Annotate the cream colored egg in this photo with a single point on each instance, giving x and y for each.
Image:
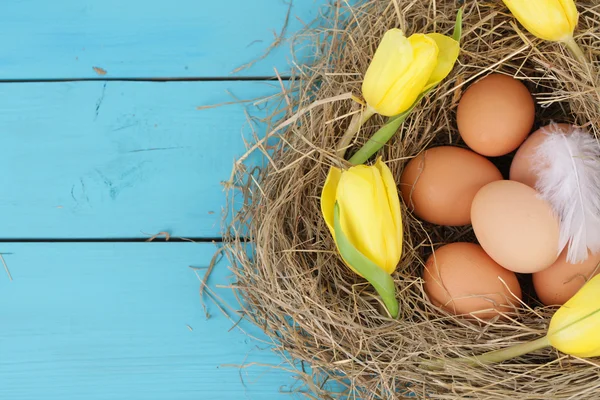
(515, 227)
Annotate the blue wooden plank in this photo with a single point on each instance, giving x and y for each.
(117, 159)
(136, 38)
(122, 321)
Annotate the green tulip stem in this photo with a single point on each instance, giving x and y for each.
(576, 51)
(508, 353)
(357, 121)
(384, 134)
(378, 140)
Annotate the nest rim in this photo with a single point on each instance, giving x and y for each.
(294, 284)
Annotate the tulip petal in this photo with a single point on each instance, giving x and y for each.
(364, 212)
(553, 20)
(395, 239)
(328, 197)
(388, 236)
(575, 327)
(408, 87)
(392, 57)
(381, 281)
(447, 56)
(571, 13)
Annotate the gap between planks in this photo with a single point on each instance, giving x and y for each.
(158, 79)
(118, 240)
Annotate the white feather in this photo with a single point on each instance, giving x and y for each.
(568, 170)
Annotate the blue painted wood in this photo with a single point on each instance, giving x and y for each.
(138, 39)
(123, 321)
(117, 159)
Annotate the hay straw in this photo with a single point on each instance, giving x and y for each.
(292, 280)
(10, 278)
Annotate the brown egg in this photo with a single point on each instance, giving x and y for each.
(440, 183)
(521, 167)
(463, 279)
(515, 227)
(557, 284)
(495, 115)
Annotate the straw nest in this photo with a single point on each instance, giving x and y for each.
(294, 283)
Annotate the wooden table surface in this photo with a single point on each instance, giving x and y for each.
(95, 156)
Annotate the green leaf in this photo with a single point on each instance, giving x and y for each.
(458, 25)
(381, 281)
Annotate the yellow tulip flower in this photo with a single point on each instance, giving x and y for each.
(403, 68)
(575, 327)
(401, 72)
(361, 208)
(553, 20)
(574, 330)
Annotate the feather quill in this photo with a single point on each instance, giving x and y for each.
(568, 170)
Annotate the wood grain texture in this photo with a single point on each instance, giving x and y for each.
(141, 39)
(118, 159)
(123, 321)
(115, 159)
